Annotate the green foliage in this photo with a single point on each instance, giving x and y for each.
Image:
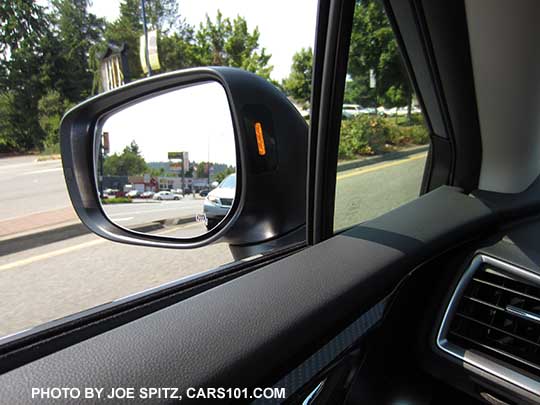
(219, 177)
(116, 200)
(225, 43)
(202, 170)
(372, 134)
(52, 54)
(49, 58)
(373, 46)
(363, 135)
(298, 84)
(51, 109)
(127, 28)
(22, 24)
(7, 122)
(128, 163)
(178, 51)
(78, 31)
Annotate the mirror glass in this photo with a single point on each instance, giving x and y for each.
(166, 165)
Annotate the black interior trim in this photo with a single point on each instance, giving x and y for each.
(332, 87)
(313, 224)
(279, 315)
(27, 346)
(446, 27)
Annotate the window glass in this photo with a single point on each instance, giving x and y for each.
(56, 54)
(383, 141)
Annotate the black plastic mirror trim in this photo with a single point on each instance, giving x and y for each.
(243, 90)
(77, 137)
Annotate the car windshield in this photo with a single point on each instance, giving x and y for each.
(229, 182)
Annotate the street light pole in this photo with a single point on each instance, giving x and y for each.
(146, 55)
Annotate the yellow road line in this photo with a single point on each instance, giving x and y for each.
(49, 255)
(59, 252)
(351, 173)
(70, 249)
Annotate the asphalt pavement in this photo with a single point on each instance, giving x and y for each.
(64, 277)
(142, 212)
(30, 187)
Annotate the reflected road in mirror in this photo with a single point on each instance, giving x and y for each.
(167, 164)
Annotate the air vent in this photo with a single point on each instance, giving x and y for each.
(495, 314)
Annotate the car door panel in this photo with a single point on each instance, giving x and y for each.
(277, 315)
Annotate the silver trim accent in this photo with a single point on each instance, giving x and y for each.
(523, 314)
(471, 358)
(314, 394)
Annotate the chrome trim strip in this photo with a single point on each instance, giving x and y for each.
(523, 314)
(314, 394)
(471, 358)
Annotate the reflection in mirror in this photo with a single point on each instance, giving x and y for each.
(166, 165)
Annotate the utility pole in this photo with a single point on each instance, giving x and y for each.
(146, 55)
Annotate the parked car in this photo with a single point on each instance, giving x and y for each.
(351, 110)
(133, 194)
(218, 202)
(165, 195)
(177, 191)
(147, 194)
(204, 192)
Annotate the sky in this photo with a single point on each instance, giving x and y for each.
(195, 119)
(286, 26)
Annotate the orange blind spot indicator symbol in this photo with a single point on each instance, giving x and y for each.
(260, 139)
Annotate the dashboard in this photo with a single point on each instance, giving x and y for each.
(472, 335)
(488, 327)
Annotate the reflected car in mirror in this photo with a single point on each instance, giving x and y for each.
(218, 202)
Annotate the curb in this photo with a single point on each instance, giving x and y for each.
(20, 242)
(380, 158)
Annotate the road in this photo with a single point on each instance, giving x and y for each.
(142, 212)
(29, 187)
(58, 279)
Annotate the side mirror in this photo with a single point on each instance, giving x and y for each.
(188, 158)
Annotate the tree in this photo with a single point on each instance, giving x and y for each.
(78, 32)
(225, 43)
(298, 84)
(51, 108)
(127, 28)
(176, 46)
(23, 28)
(219, 177)
(21, 22)
(202, 170)
(7, 122)
(23, 89)
(373, 46)
(178, 51)
(128, 163)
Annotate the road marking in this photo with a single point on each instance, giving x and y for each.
(49, 255)
(59, 252)
(123, 219)
(70, 249)
(357, 172)
(56, 169)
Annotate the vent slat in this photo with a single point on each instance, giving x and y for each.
(481, 321)
(499, 330)
(487, 304)
(497, 351)
(532, 297)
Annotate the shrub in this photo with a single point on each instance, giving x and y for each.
(116, 200)
(414, 134)
(370, 134)
(363, 135)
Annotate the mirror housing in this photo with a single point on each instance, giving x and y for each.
(270, 199)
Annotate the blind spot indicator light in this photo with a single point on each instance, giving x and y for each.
(260, 139)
